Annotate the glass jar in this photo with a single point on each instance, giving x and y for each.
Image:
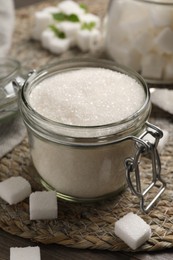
(139, 34)
(84, 163)
(9, 69)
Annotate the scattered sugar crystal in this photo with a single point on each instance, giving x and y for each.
(25, 253)
(164, 40)
(163, 98)
(14, 189)
(43, 205)
(87, 96)
(133, 230)
(152, 66)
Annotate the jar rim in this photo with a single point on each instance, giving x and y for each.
(45, 71)
(13, 65)
(156, 2)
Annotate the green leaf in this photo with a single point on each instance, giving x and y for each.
(83, 6)
(57, 32)
(88, 26)
(61, 17)
(73, 18)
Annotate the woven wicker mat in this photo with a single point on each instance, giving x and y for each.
(81, 226)
(89, 225)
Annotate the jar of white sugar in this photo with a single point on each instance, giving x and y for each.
(139, 34)
(86, 122)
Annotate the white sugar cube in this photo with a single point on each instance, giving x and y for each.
(163, 98)
(89, 40)
(70, 7)
(25, 253)
(9, 89)
(133, 230)
(89, 18)
(70, 29)
(152, 65)
(42, 20)
(164, 41)
(168, 68)
(43, 205)
(50, 10)
(46, 38)
(95, 42)
(143, 42)
(83, 39)
(58, 45)
(161, 16)
(14, 189)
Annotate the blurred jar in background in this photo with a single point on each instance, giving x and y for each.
(139, 34)
(7, 19)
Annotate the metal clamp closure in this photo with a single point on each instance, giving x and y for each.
(145, 147)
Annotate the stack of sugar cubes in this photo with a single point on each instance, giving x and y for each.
(66, 25)
(42, 204)
(140, 35)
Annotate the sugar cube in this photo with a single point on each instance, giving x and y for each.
(95, 42)
(43, 205)
(70, 7)
(83, 39)
(70, 29)
(133, 230)
(168, 68)
(58, 46)
(46, 37)
(161, 16)
(42, 20)
(89, 18)
(164, 41)
(25, 253)
(14, 189)
(152, 65)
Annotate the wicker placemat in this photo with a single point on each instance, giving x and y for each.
(81, 226)
(88, 225)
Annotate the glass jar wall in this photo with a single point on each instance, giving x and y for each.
(81, 163)
(139, 34)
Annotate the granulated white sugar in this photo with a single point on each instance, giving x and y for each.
(87, 97)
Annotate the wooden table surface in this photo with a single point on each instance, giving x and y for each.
(54, 252)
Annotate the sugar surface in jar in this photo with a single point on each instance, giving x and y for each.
(87, 97)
